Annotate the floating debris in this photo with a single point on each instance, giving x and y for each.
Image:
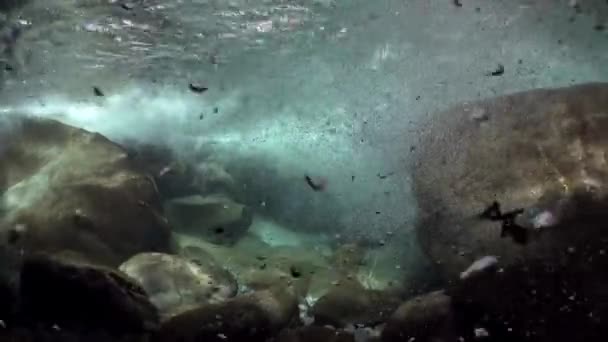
(165, 170)
(127, 6)
(481, 333)
(384, 176)
(316, 186)
(98, 92)
(518, 233)
(480, 265)
(197, 88)
(458, 3)
(295, 272)
(499, 71)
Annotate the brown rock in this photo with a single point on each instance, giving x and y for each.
(542, 151)
(315, 333)
(174, 283)
(424, 318)
(78, 296)
(252, 317)
(177, 177)
(349, 303)
(216, 219)
(69, 189)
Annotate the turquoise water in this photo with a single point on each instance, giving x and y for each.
(332, 90)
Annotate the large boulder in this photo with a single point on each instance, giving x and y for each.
(251, 317)
(215, 218)
(178, 175)
(428, 317)
(64, 188)
(513, 206)
(72, 294)
(541, 151)
(10, 267)
(176, 284)
(349, 303)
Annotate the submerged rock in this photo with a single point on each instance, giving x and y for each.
(538, 157)
(348, 303)
(315, 333)
(79, 296)
(424, 318)
(64, 188)
(175, 284)
(541, 151)
(10, 267)
(177, 177)
(216, 219)
(251, 317)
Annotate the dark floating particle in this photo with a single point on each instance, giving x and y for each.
(98, 91)
(599, 27)
(352, 178)
(499, 71)
(127, 5)
(197, 88)
(219, 230)
(458, 3)
(385, 176)
(295, 272)
(316, 186)
(201, 116)
(508, 226)
(417, 97)
(216, 110)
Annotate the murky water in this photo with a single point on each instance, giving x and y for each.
(299, 117)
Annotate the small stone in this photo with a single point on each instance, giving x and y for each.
(479, 115)
(481, 333)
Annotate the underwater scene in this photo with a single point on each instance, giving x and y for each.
(304, 170)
